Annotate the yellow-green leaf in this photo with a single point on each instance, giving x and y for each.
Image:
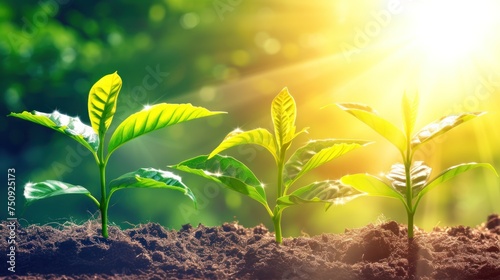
(259, 136)
(153, 118)
(331, 192)
(371, 185)
(102, 102)
(284, 112)
(441, 126)
(314, 154)
(381, 126)
(451, 173)
(227, 171)
(65, 124)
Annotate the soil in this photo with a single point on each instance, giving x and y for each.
(234, 252)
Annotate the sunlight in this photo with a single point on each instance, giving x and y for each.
(448, 30)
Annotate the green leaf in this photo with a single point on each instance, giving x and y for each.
(441, 126)
(419, 174)
(451, 173)
(150, 178)
(304, 130)
(284, 112)
(153, 118)
(371, 185)
(330, 192)
(314, 154)
(410, 111)
(259, 136)
(102, 102)
(227, 171)
(50, 188)
(377, 123)
(67, 125)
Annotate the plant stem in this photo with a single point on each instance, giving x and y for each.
(277, 226)
(280, 181)
(281, 165)
(410, 224)
(409, 189)
(104, 199)
(409, 195)
(281, 192)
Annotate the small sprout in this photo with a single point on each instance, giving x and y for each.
(408, 181)
(236, 176)
(102, 106)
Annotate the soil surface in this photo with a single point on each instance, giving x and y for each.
(234, 252)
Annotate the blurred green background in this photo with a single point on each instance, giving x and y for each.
(235, 56)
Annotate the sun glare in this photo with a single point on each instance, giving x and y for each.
(448, 30)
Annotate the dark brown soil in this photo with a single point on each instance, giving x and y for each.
(233, 252)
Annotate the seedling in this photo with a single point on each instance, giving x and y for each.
(409, 181)
(102, 104)
(234, 175)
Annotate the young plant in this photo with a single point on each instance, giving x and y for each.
(236, 176)
(409, 181)
(102, 104)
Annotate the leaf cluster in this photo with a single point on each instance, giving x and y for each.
(236, 176)
(407, 181)
(102, 103)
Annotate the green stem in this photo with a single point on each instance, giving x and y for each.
(410, 211)
(410, 224)
(277, 226)
(280, 180)
(281, 166)
(104, 199)
(281, 192)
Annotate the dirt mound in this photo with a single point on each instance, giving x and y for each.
(232, 251)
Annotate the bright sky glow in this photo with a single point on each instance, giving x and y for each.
(447, 29)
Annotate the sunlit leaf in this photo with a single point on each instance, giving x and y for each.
(451, 173)
(371, 185)
(227, 171)
(304, 130)
(50, 188)
(284, 112)
(67, 125)
(330, 192)
(410, 111)
(441, 126)
(102, 102)
(419, 174)
(150, 178)
(314, 154)
(259, 136)
(372, 119)
(153, 118)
